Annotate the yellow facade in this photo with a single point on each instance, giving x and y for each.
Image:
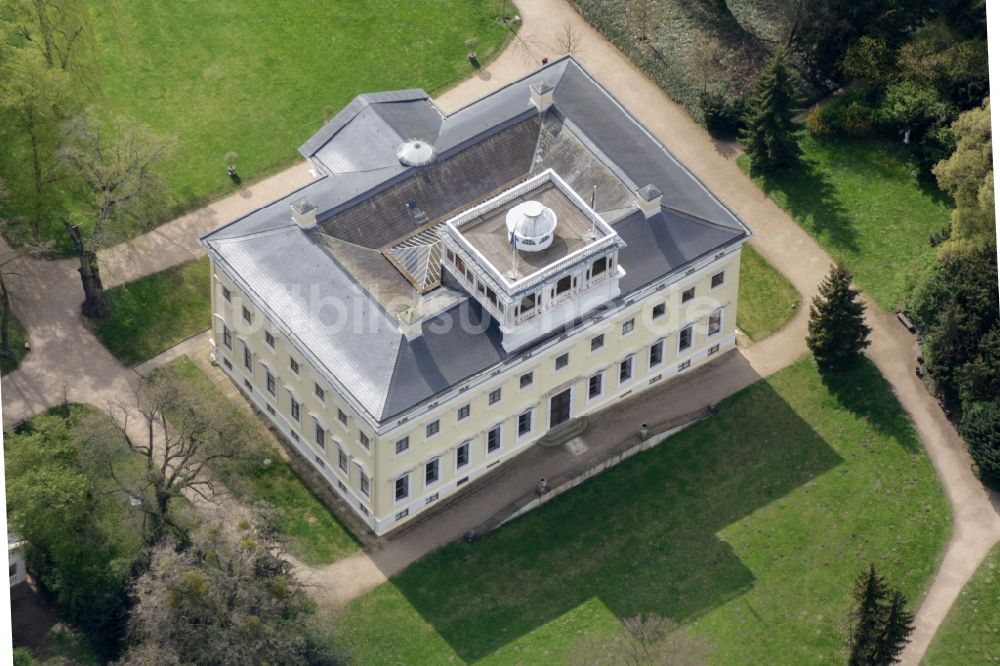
(346, 462)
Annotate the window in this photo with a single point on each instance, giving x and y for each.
(365, 442)
(684, 366)
(715, 322)
(459, 264)
(628, 326)
(319, 461)
(295, 435)
(269, 339)
(226, 294)
(433, 428)
(659, 310)
(599, 267)
(247, 358)
(247, 317)
(295, 409)
(402, 445)
(524, 423)
(527, 304)
(684, 341)
(248, 385)
(365, 485)
(294, 365)
(320, 434)
(656, 353)
(687, 295)
(493, 440)
(494, 396)
(595, 386)
(526, 379)
(718, 279)
(625, 370)
(596, 342)
(320, 393)
(341, 416)
(564, 284)
(227, 337)
(271, 384)
(402, 487)
(562, 361)
(341, 459)
(463, 412)
(462, 456)
(432, 472)
(225, 362)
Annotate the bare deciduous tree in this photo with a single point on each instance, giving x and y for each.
(58, 27)
(116, 172)
(568, 38)
(181, 435)
(643, 640)
(643, 11)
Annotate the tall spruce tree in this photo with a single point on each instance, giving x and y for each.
(837, 329)
(768, 138)
(880, 623)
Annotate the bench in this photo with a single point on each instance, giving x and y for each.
(905, 321)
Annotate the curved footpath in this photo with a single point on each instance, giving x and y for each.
(68, 363)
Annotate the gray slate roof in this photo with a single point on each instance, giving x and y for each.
(362, 200)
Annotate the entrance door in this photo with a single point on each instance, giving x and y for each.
(559, 408)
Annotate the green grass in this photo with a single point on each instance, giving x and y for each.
(258, 77)
(749, 528)
(18, 336)
(320, 542)
(970, 634)
(860, 200)
(767, 299)
(156, 312)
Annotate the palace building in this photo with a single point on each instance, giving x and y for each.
(451, 288)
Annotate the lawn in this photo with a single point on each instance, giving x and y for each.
(748, 528)
(308, 529)
(767, 300)
(258, 77)
(156, 312)
(860, 200)
(18, 336)
(970, 634)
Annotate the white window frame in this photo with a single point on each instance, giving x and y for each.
(498, 391)
(467, 445)
(630, 359)
(531, 423)
(680, 338)
(342, 456)
(396, 445)
(599, 394)
(437, 429)
(498, 427)
(708, 328)
(661, 343)
(628, 324)
(396, 499)
(721, 284)
(437, 462)
(468, 411)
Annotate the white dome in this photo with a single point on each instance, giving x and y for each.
(532, 225)
(415, 152)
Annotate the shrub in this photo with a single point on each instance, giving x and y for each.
(723, 115)
(981, 430)
(818, 123)
(858, 119)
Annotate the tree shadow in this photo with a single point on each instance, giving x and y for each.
(642, 537)
(854, 388)
(810, 198)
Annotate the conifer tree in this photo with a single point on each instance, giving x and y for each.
(880, 623)
(896, 630)
(767, 138)
(837, 329)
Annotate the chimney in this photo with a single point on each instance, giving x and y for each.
(541, 95)
(304, 213)
(649, 199)
(409, 323)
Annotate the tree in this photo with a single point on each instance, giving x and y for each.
(35, 97)
(180, 436)
(59, 29)
(868, 63)
(228, 599)
(968, 177)
(768, 137)
(642, 640)
(116, 173)
(981, 430)
(880, 623)
(78, 529)
(911, 106)
(837, 330)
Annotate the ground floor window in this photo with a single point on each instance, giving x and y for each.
(462, 456)
(227, 337)
(402, 487)
(715, 322)
(320, 434)
(625, 370)
(432, 472)
(595, 386)
(684, 340)
(656, 354)
(493, 440)
(341, 459)
(295, 408)
(247, 358)
(271, 384)
(365, 485)
(524, 423)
